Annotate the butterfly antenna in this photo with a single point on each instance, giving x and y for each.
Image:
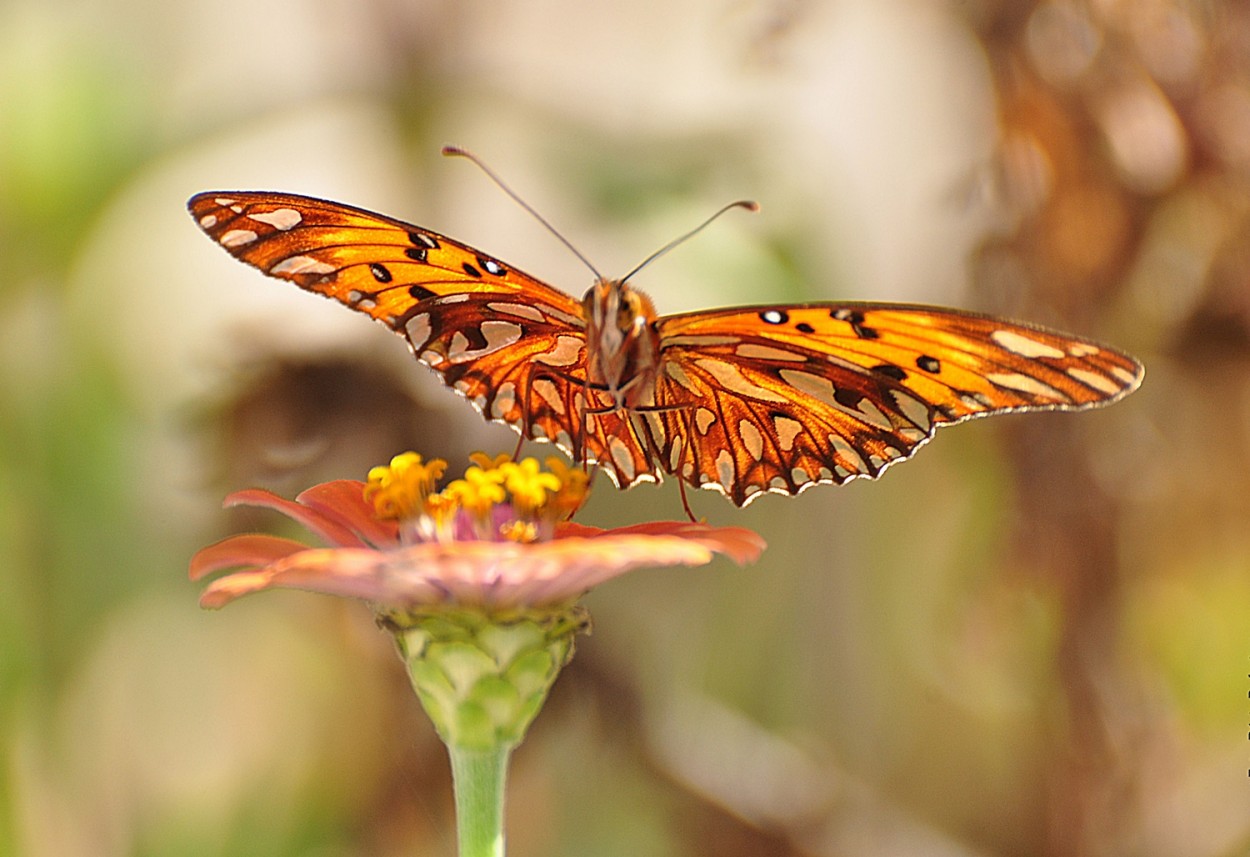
(456, 151)
(748, 204)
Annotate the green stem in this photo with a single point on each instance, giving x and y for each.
(478, 778)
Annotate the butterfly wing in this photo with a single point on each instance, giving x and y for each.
(775, 399)
(512, 345)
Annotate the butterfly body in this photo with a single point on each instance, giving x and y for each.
(744, 400)
(621, 324)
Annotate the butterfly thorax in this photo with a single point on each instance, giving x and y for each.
(622, 344)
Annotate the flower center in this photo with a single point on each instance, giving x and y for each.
(496, 499)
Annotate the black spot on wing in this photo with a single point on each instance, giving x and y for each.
(848, 397)
(889, 370)
(929, 364)
(380, 272)
(492, 267)
(420, 292)
(420, 239)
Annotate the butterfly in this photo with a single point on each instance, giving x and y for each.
(744, 400)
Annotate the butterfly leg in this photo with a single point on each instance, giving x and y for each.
(658, 442)
(685, 503)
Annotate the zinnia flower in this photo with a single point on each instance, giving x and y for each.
(495, 540)
(478, 582)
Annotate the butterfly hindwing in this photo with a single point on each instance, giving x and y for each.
(778, 398)
(524, 364)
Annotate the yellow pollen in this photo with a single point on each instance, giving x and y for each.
(528, 485)
(485, 462)
(519, 531)
(401, 489)
(477, 492)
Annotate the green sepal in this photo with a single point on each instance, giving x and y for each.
(482, 678)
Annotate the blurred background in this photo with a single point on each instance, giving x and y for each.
(1034, 639)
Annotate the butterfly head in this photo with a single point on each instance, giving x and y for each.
(623, 349)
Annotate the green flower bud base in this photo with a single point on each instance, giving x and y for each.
(482, 679)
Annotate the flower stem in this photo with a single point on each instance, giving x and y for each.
(478, 777)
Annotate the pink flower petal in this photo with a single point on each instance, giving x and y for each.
(343, 500)
(331, 528)
(738, 543)
(251, 549)
(487, 574)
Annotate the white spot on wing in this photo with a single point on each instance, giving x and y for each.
(675, 371)
(751, 438)
(753, 350)
(820, 389)
(208, 221)
(1099, 382)
(787, 430)
(546, 390)
(418, 330)
(574, 320)
(237, 237)
(225, 202)
(301, 265)
(622, 457)
(913, 409)
(725, 468)
(505, 400)
(674, 453)
(498, 334)
(1124, 375)
(1026, 384)
(1018, 343)
(655, 424)
(565, 353)
(729, 377)
(280, 218)
(850, 458)
(874, 416)
(703, 419)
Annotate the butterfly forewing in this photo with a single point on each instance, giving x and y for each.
(775, 399)
(513, 346)
(373, 264)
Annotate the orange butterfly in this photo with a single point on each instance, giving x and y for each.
(745, 401)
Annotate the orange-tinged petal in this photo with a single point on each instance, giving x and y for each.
(738, 543)
(251, 549)
(495, 575)
(344, 500)
(331, 528)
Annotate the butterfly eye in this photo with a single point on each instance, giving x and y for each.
(630, 311)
